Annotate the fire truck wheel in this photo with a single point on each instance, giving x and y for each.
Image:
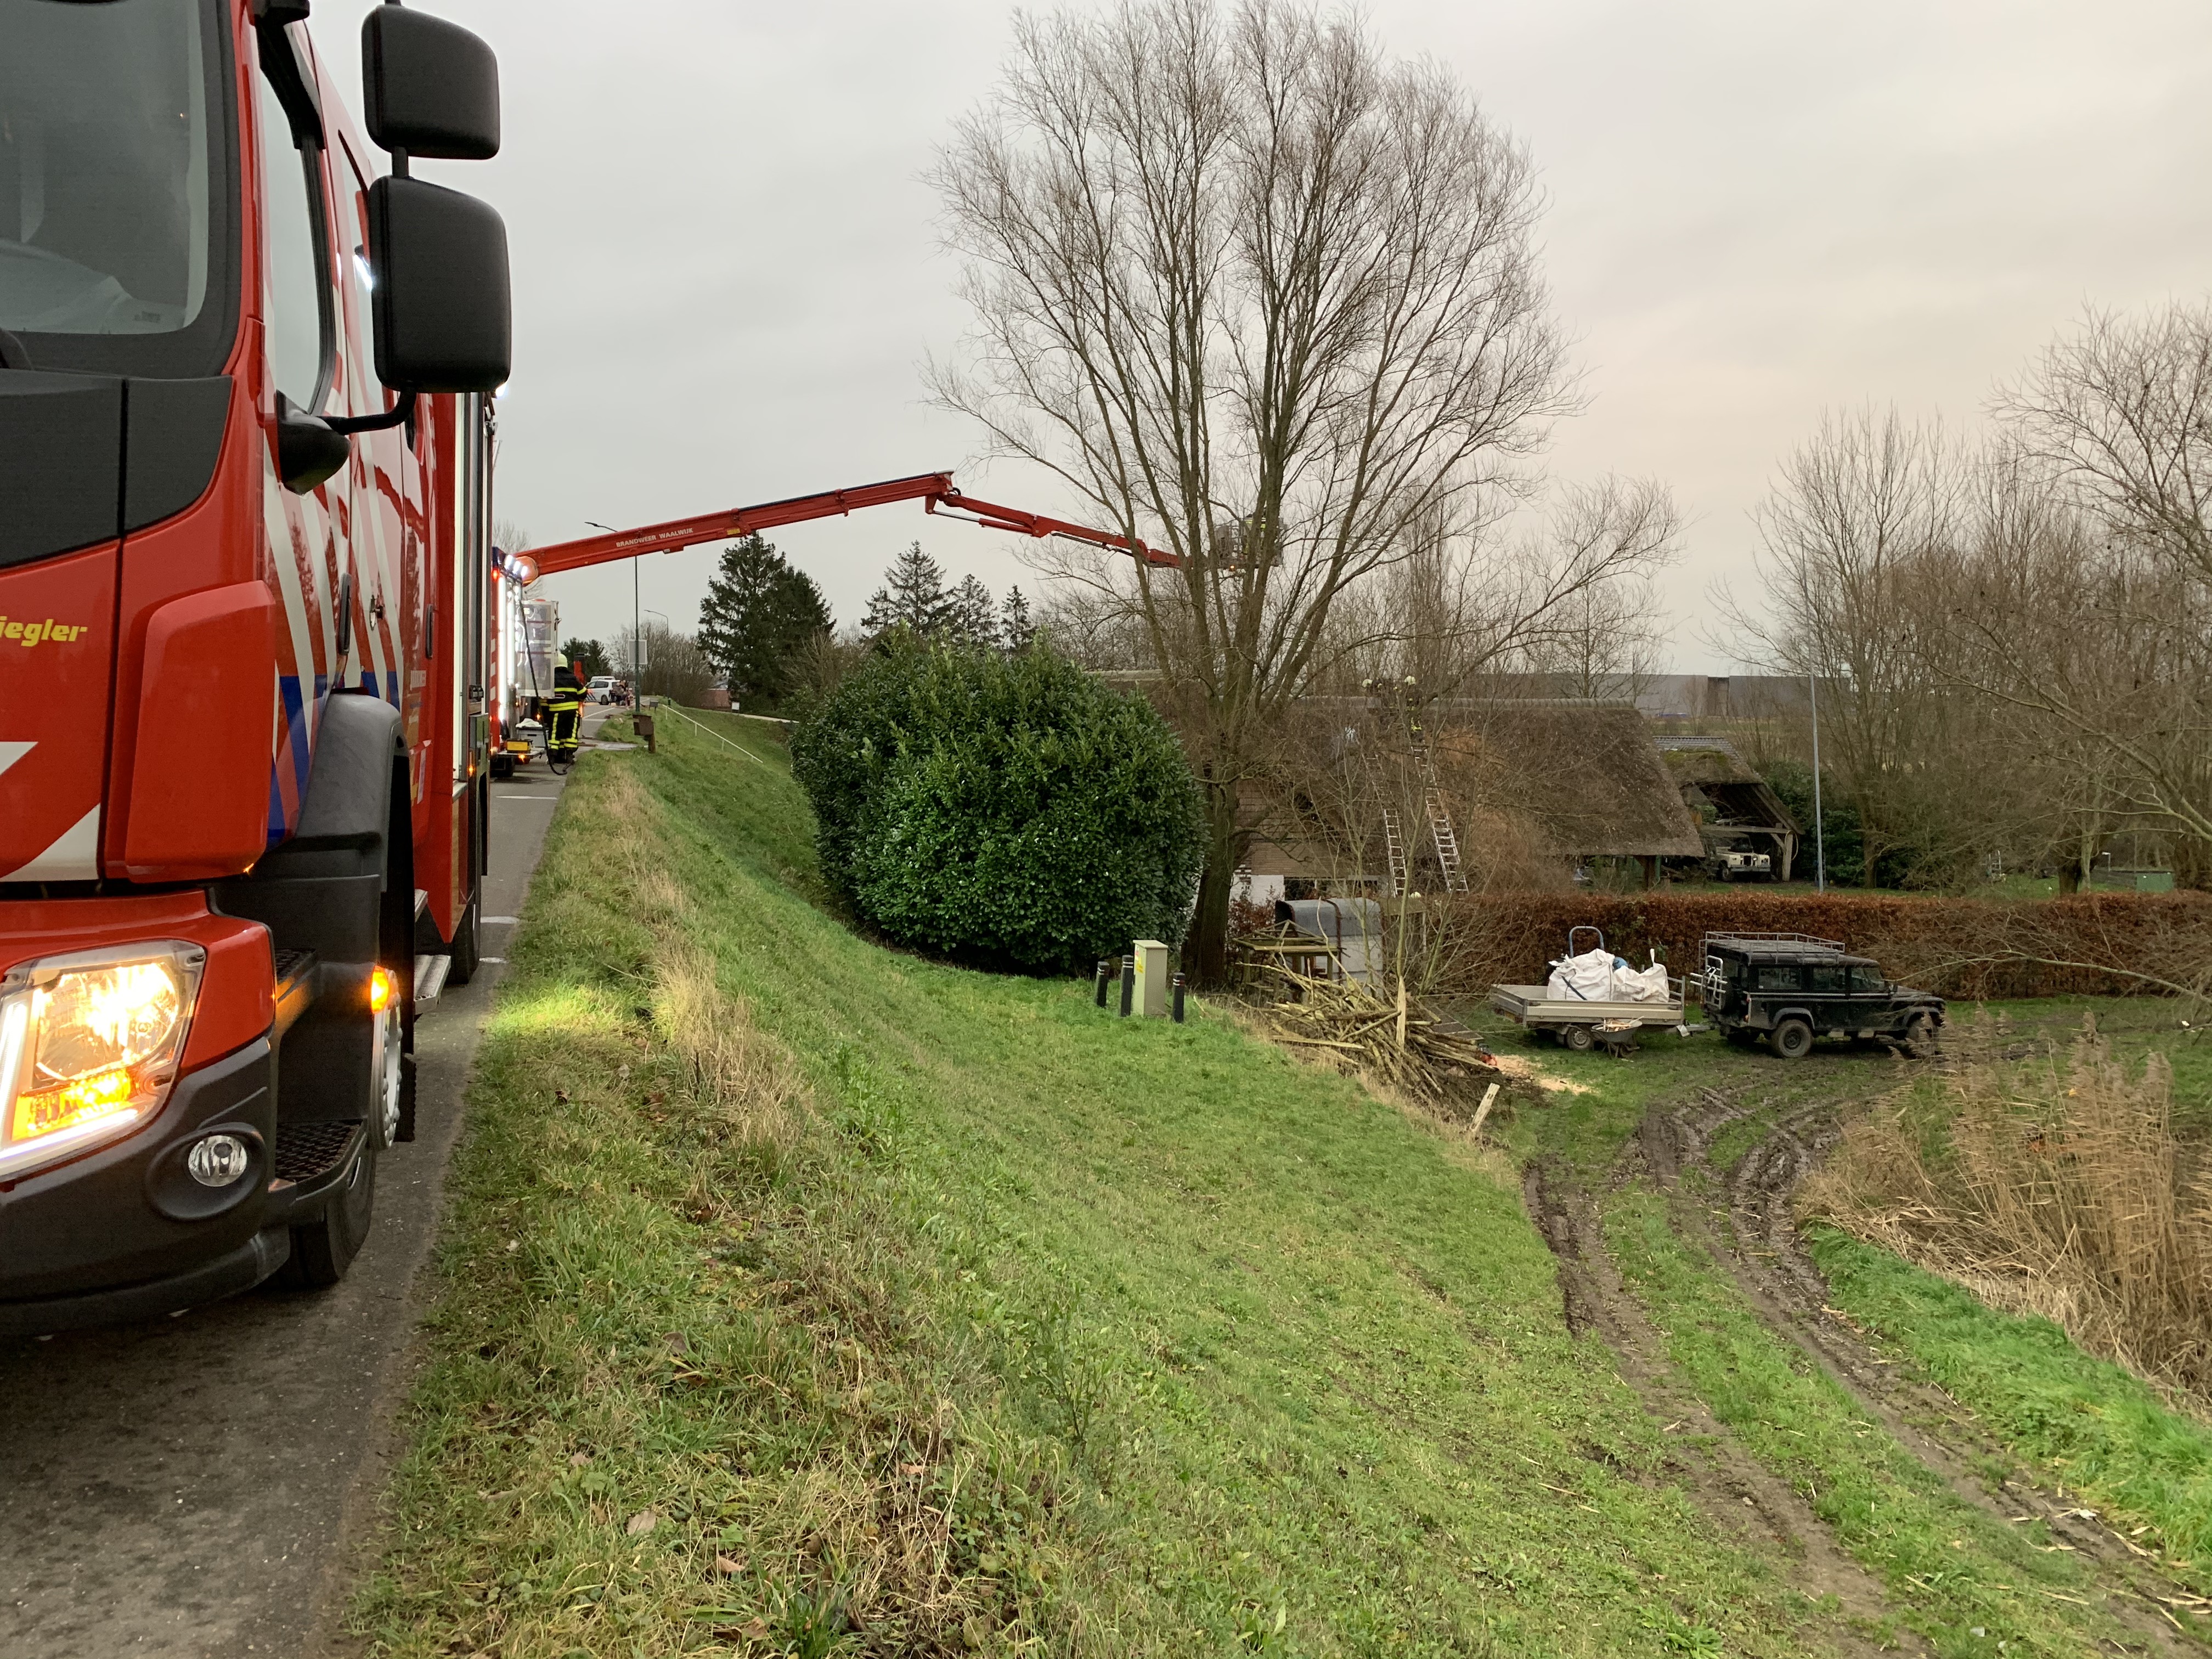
(322, 1249)
(388, 1095)
(1792, 1039)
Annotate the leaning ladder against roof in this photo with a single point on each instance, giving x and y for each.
(1394, 849)
(1447, 840)
(1440, 824)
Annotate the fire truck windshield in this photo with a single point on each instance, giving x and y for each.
(115, 175)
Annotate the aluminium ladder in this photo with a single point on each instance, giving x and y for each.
(1447, 840)
(1394, 848)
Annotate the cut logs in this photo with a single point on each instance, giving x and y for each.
(1397, 1038)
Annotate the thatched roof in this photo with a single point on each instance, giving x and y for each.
(1704, 760)
(1553, 778)
(1709, 769)
(1585, 773)
(1278, 849)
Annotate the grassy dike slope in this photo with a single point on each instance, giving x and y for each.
(802, 1296)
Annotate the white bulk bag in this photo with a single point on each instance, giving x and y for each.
(1585, 978)
(1641, 984)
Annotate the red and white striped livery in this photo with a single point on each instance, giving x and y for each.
(244, 488)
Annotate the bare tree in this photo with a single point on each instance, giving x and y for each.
(1265, 299)
(1858, 515)
(1095, 623)
(2016, 647)
(1602, 635)
(822, 662)
(2114, 423)
(2098, 647)
(1572, 597)
(2120, 414)
(673, 665)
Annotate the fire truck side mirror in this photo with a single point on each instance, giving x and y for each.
(431, 88)
(443, 311)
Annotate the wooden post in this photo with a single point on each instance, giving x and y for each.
(1489, 1099)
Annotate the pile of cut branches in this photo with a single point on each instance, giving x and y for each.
(1281, 947)
(1397, 1039)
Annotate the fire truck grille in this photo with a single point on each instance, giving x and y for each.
(304, 1150)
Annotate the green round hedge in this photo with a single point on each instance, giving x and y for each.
(1006, 811)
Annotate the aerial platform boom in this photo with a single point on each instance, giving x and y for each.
(934, 490)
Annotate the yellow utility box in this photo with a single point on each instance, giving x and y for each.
(1151, 997)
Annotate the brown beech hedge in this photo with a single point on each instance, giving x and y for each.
(2091, 944)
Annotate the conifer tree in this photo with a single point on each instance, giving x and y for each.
(913, 596)
(759, 611)
(1017, 626)
(590, 653)
(974, 618)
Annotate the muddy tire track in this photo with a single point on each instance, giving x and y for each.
(1726, 1481)
(1745, 1216)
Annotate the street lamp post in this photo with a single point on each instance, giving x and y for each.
(1820, 830)
(637, 633)
(665, 622)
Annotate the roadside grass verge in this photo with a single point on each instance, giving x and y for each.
(799, 1297)
(677, 1400)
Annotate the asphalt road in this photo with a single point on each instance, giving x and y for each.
(205, 1485)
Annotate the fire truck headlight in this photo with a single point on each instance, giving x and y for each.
(89, 1046)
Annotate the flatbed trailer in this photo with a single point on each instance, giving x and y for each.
(1581, 1025)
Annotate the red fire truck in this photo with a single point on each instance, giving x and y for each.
(244, 497)
(256, 649)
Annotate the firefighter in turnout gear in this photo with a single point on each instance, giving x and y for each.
(564, 720)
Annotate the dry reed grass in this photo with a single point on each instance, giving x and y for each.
(2056, 1187)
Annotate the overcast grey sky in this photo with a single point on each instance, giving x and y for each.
(726, 271)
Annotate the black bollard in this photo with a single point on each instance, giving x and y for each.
(1128, 983)
(1105, 972)
(1178, 999)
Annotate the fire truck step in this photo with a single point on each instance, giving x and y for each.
(295, 987)
(430, 978)
(304, 1150)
